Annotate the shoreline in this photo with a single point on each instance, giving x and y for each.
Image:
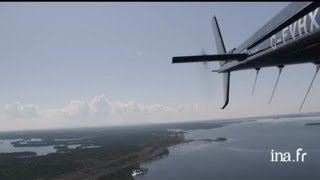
(183, 141)
(141, 146)
(129, 162)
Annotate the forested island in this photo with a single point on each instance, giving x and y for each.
(119, 151)
(313, 124)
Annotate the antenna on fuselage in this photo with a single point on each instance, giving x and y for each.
(275, 86)
(314, 76)
(255, 81)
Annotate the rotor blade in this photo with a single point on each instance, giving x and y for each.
(314, 76)
(217, 57)
(275, 86)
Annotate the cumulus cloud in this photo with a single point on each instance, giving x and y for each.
(158, 108)
(76, 109)
(127, 107)
(138, 107)
(18, 110)
(188, 108)
(98, 111)
(99, 105)
(113, 112)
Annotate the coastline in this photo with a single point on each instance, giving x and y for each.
(120, 153)
(129, 162)
(165, 151)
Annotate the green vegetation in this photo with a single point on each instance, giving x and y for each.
(4, 156)
(313, 124)
(121, 150)
(220, 139)
(115, 145)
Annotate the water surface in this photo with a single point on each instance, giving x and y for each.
(246, 153)
(7, 147)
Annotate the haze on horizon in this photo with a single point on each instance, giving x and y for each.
(101, 64)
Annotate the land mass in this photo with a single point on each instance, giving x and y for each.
(313, 124)
(120, 150)
(219, 139)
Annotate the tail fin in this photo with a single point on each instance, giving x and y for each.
(221, 50)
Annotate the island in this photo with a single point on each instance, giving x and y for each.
(98, 153)
(219, 139)
(313, 124)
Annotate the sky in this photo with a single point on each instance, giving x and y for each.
(104, 64)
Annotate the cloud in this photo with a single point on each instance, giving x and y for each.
(138, 107)
(99, 105)
(188, 108)
(19, 110)
(76, 109)
(127, 107)
(80, 109)
(102, 109)
(96, 112)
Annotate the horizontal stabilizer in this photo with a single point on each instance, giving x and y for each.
(205, 58)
